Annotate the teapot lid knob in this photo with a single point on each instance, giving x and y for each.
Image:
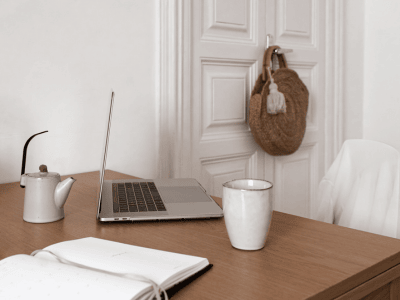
(43, 168)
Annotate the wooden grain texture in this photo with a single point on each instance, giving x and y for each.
(302, 259)
(377, 287)
(379, 294)
(395, 289)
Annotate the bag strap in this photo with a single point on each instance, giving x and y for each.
(268, 58)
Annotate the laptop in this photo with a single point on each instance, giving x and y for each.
(151, 199)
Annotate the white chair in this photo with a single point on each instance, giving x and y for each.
(361, 188)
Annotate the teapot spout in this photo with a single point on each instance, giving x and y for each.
(62, 191)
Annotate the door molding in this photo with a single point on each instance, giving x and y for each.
(173, 107)
(171, 66)
(333, 80)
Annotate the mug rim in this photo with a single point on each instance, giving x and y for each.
(228, 187)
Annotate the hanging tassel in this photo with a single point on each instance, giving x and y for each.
(276, 100)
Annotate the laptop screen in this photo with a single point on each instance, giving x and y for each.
(104, 156)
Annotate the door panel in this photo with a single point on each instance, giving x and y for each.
(216, 171)
(295, 181)
(224, 81)
(225, 58)
(300, 25)
(229, 21)
(296, 22)
(227, 43)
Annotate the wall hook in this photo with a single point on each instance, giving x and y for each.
(269, 42)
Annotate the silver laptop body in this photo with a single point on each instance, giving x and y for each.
(151, 199)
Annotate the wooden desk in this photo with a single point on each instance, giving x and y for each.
(302, 259)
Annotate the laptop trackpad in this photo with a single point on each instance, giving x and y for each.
(182, 194)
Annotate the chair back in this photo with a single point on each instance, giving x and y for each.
(361, 188)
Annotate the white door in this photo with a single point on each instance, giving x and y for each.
(225, 42)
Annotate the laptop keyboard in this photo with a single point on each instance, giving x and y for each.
(136, 197)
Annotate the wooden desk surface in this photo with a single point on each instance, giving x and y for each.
(302, 259)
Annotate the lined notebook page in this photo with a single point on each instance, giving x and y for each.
(27, 277)
(164, 268)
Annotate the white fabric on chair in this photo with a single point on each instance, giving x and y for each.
(361, 188)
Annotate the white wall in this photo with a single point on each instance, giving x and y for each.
(59, 60)
(382, 72)
(372, 70)
(353, 68)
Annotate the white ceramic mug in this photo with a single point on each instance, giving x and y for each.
(247, 206)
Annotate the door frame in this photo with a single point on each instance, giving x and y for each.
(173, 73)
(172, 81)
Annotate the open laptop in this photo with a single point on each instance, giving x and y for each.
(151, 199)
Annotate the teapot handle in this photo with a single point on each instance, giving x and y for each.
(25, 149)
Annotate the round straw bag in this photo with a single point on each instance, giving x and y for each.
(280, 133)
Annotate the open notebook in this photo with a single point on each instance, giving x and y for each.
(43, 276)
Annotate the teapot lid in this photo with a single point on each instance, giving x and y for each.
(43, 173)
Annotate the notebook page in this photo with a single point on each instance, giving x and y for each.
(27, 277)
(156, 265)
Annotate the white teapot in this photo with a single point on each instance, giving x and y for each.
(45, 193)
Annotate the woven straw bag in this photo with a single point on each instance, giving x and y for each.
(281, 133)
